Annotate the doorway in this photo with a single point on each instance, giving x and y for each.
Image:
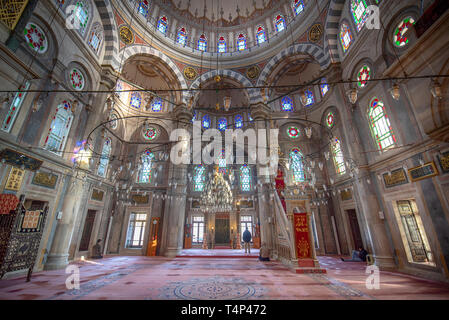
(355, 229)
(222, 232)
(87, 232)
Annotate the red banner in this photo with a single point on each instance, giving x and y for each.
(303, 244)
(8, 203)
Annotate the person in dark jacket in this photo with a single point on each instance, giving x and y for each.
(247, 240)
(358, 256)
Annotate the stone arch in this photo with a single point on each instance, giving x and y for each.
(145, 50)
(252, 93)
(315, 51)
(332, 29)
(110, 34)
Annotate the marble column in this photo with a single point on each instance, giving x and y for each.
(58, 257)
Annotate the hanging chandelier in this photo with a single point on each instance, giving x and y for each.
(217, 195)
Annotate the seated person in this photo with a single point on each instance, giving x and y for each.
(358, 256)
(96, 250)
(264, 253)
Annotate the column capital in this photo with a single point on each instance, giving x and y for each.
(260, 111)
(183, 115)
(108, 77)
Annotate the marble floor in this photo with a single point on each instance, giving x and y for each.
(223, 277)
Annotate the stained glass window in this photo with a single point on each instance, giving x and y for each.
(287, 104)
(222, 124)
(245, 178)
(280, 23)
(297, 166)
(104, 159)
(324, 87)
(145, 171)
(381, 128)
(136, 100)
(363, 76)
(77, 79)
(222, 163)
(206, 122)
(250, 117)
(14, 108)
(182, 37)
(35, 38)
(359, 10)
(309, 98)
(144, 7)
(339, 160)
(241, 42)
(95, 38)
(330, 120)
(113, 124)
(298, 6)
(222, 45)
(202, 43)
(238, 121)
(162, 25)
(345, 36)
(59, 128)
(195, 116)
(293, 132)
(150, 133)
(399, 37)
(261, 36)
(199, 177)
(156, 105)
(82, 15)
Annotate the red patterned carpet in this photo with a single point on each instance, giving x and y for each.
(142, 278)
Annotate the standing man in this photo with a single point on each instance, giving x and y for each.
(247, 240)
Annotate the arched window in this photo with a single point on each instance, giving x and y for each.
(345, 36)
(59, 128)
(104, 159)
(337, 155)
(380, 125)
(241, 42)
(222, 124)
(245, 178)
(261, 36)
(199, 177)
(399, 38)
(136, 100)
(202, 43)
(221, 45)
(297, 166)
(145, 171)
(162, 25)
(309, 98)
(182, 37)
(14, 108)
(287, 104)
(280, 23)
(238, 121)
(206, 122)
(96, 37)
(298, 6)
(359, 10)
(156, 105)
(324, 87)
(144, 7)
(363, 76)
(81, 15)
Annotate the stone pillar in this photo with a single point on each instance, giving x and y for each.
(176, 210)
(59, 252)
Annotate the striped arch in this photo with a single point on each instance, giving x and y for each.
(145, 50)
(252, 93)
(111, 39)
(315, 51)
(332, 29)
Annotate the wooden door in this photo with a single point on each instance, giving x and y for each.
(87, 232)
(154, 237)
(355, 229)
(222, 232)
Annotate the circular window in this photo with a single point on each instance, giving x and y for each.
(293, 132)
(77, 80)
(35, 38)
(363, 76)
(330, 120)
(113, 124)
(399, 37)
(150, 133)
